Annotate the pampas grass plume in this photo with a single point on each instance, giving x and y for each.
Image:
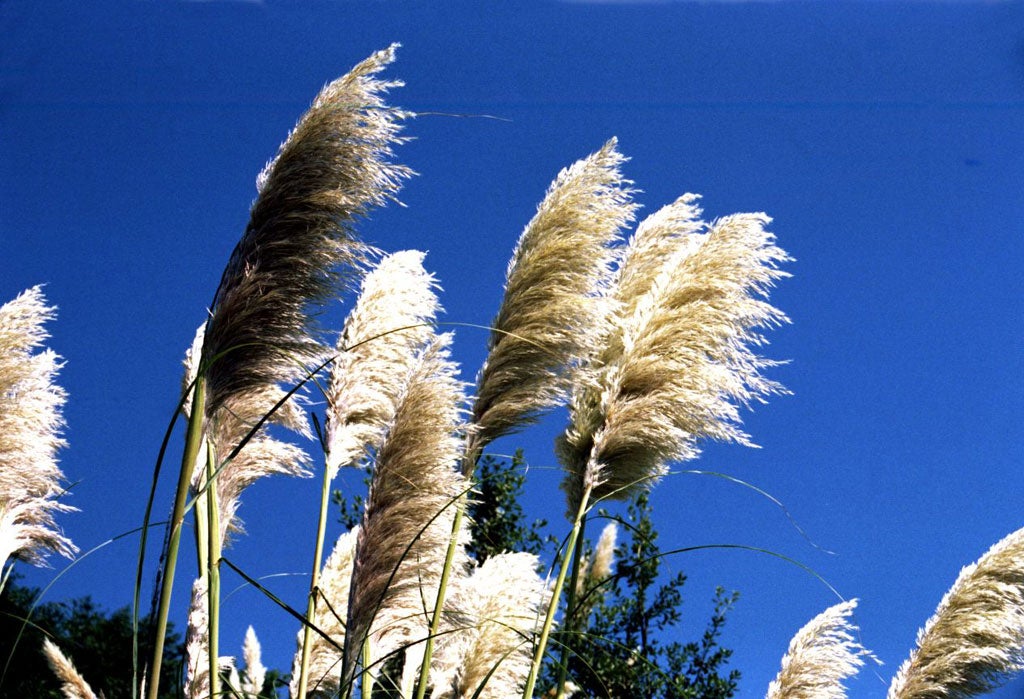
(409, 513)
(503, 602)
(255, 672)
(30, 434)
(299, 244)
(73, 685)
(382, 336)
(975, 640)
(679, 360)
(821, 655)
(552, 308)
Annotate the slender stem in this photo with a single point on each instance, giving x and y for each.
(556, 593)
(366, 690)
(442, 589)
(570, 622)
(193, 440)
(314, 582)
(213, 575)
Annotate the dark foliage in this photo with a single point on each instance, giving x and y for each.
(622, 650)
(99, 643)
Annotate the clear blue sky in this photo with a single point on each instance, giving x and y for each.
(885, 139)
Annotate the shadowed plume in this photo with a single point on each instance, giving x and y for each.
(974, 642)
(299, 245)
(409, 513)
(821, 655)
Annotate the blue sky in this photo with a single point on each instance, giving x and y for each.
(883, 138)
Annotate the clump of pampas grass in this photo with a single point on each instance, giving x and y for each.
(821, 655)
(298, 250)
(975, 640)
(31, 421)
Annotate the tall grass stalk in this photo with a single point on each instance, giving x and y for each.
(193, 443)
(314, 584)
(213, 574)
(556, 592)
(571, 622)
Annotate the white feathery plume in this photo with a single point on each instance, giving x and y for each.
(197, 643)
(325, 657)
(30, 434)
(255, 671)
(503, 602)
(604, 555)
(679, 360)
(552, 310)
(197, 646)
(387, 327)
(73, 685)
(821, 655)
(974, 642)
(410, 511)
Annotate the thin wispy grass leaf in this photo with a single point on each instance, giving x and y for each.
(680, 358)
(31, 422)
(325, 658)
(383, 334)
(549, 317)
(974, 642)
(409, 513)
(503, 602)
(300, 246)
(73, 685)
(821, 655)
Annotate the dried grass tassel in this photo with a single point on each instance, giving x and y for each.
(974, 642)
(821, 655)
(30, 434)
(73, 685)
(383, 334)
(410, 509)
(300, 244)
(503, 602)
(552, 308)
(685, 315)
